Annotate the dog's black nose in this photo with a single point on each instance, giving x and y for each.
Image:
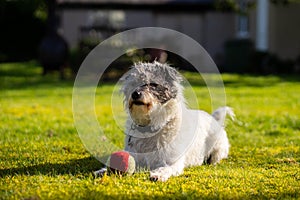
(136, 95)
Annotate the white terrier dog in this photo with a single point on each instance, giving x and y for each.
(162, 134)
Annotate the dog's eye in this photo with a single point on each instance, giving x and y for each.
(153, 84)
(157, 87)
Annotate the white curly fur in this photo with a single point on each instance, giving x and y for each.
(176, 137)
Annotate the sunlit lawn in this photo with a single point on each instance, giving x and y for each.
(42, 156)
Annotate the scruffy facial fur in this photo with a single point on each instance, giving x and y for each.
(148, 89)
(162, 134)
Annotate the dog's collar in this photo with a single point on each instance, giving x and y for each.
(144, 129)
(147, 129)
(141, 132)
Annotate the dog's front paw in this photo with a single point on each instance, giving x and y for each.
(100, 173)
(161, 174)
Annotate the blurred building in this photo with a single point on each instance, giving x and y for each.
(199, 19)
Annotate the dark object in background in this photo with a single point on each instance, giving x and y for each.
(238, 54)
(53, 54)
(269, 63)
(297, 65)
(53, 50)
(20, 30)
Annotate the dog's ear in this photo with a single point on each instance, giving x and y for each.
(131, 74)
(128, 80)
(125, 76)
(173, 75)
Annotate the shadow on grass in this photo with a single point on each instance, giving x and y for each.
(258, 80)
(239, 80)
(30, 83)
(28, 75)
(73, 167)
(92, 194)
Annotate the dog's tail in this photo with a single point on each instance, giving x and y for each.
(220, 114)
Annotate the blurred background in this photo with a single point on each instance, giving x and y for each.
(242, 36)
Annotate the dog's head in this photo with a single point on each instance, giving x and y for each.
(151, 91)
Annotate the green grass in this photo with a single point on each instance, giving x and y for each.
(42, 157)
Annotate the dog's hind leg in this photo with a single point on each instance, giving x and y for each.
(219, 151)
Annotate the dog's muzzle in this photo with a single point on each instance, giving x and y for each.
(139, 97)
(140, 104)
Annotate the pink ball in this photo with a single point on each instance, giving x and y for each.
(121, 162)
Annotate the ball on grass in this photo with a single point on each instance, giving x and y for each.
(121, 162)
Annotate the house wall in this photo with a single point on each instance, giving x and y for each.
(210, 29)
(252, 24)
(189, 24)
(139, 18)
(284, 30)
(71, 20)
(219, 28)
